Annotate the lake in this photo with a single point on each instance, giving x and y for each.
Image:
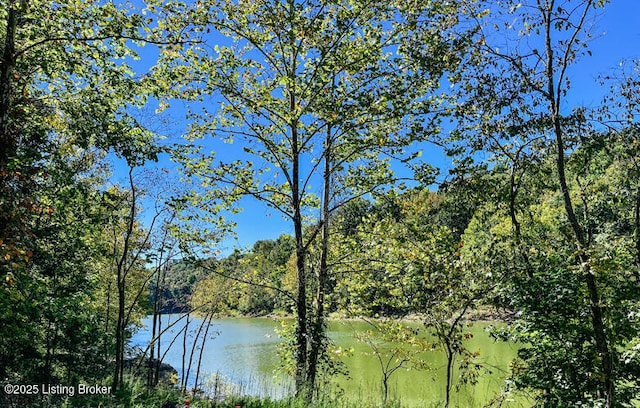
(242, 353)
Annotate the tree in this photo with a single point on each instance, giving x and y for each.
(395, 346)
(316, 92)
(557, 356)
(255, 278)
(59, 61)
(133, 248)
(50, 323)
(519, 96)
(165, 249)
(408, 263)
(618, 114)
(66, 88)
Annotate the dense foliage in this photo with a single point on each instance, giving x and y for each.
(67, 100)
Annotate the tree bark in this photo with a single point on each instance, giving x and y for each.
(318, 330)
(450, 360)
(301, 296)
(7, 139)
(581, 241)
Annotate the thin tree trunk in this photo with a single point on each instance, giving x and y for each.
(158, 340)
(517, 233)
(121, 272)
(204, 339)
(183, 382)
(450, 360)
(119, 360)
(597, 315)
(153, 366)
(193, 349)
(597, 318)
(107, 317)
(582, 242)
(385, 387)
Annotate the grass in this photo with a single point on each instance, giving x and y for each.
(253, 402)
(135, 394)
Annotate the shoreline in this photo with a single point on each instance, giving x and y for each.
(480, 315)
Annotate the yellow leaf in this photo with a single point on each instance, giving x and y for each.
(10, 279)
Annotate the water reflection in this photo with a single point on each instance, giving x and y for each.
(243, 353)
(240, 351)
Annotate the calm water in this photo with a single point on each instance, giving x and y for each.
(242, 351)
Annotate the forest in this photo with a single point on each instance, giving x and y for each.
(419, 160)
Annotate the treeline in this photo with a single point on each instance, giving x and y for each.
(255, 282)
(173, 292)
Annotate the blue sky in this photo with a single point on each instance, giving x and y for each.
(616, 38)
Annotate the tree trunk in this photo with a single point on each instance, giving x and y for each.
(582, 242)
(183, 379)
(318, 330)
(204, 339)
(636, 233)
(597, 316)
(7, 139)
(121, 269)
(118, 373)
(194, 345)
(301, 334)
(515, 224)
(301, 298)
(450, 358)
(154, 358)
(385, 387)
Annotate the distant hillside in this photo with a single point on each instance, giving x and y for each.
(180, 279)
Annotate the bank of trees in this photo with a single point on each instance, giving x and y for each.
(256, 283)
(323, 106)
(525, 118)
(72, 246)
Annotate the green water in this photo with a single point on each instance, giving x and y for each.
(243, 352)
(424, 387)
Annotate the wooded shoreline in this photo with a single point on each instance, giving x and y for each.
(436, 161)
